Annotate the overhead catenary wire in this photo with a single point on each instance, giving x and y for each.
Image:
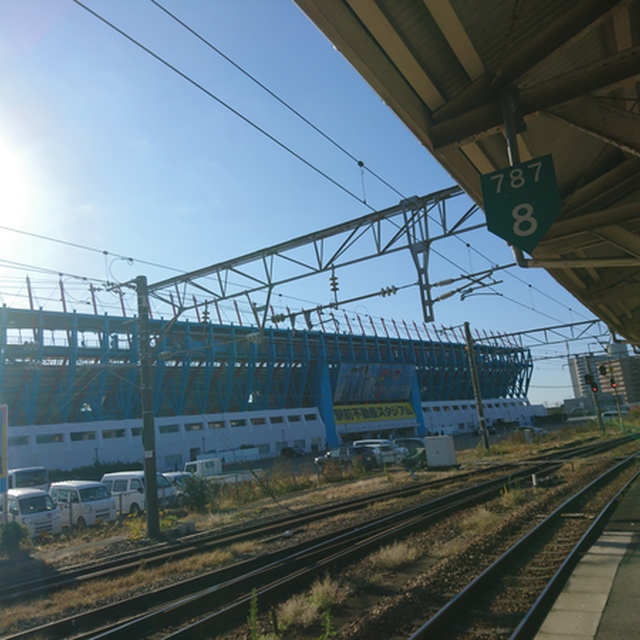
(362, 165)
(224, 104)
(350, 155)
(260, 129)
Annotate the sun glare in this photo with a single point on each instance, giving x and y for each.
(14, 194)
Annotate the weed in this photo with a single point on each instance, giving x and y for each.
(327, 625)
(252, 622)
(481, 519)
(328, 592)
(511, 494)
(298, 610)
(395, 555)
(304, 610)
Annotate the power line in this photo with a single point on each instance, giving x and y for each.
(77, 245)
(264, 132)
(275, 96)
(224, 104)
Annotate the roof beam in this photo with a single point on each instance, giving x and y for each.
(609, 187)
(577, 17)
(343, 28)
(455, 35)
(487, 119)
(388, 38)
(621, 238)
(565, 229)
(607, 122)
(613, 294)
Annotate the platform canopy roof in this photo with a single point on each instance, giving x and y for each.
(564, 74)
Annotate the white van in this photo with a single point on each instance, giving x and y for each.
(83, 503)
(28, 478)
(128, 490)
(34, 509)
(386, 451)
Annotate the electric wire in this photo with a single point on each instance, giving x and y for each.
(238, 114)
(268, 135)
(275, 96)
(311, 124)
(226, 105)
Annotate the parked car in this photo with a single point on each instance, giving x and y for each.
(410, 444)
(386, 451)
(128, 490)
(347, 456)
(292, 452)
(28, 478)
(179, 481)
(34, 509)
(83, 503)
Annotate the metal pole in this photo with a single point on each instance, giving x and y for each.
(508, 107)
(596, 399)
(482, 426)
(148, 424)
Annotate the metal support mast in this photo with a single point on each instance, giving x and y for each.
(482, 425)
(148, 423)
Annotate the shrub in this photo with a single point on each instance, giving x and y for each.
(197, 493)
(11, 536)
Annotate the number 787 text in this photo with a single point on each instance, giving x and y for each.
(516, 177)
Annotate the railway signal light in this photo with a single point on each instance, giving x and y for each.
(591, 383)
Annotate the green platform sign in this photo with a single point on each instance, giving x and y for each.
(522, 202)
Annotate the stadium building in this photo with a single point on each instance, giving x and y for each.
(72, 385)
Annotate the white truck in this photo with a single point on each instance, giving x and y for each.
(204, 468)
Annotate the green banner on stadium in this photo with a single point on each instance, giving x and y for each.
(374, 412)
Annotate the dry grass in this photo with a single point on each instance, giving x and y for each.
(304, 610)
(480, 520)
(299, 611)
(65, 603)
(395, 555)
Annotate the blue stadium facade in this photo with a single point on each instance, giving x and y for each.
(71, 383)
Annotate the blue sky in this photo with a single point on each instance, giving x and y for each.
(102, 146)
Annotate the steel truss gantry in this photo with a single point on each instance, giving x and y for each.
(255, 276)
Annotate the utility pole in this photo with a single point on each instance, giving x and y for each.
(148, 423)
(482, 425)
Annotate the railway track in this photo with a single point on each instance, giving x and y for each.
(205, 542)
(275, 573)
(188, 546)
(271, 573)
(512, 596)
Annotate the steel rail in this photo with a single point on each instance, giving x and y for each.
(296, 570)
(190, 594)
(437, 623)
(533, 619)
(204, 542)
(98, 616)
